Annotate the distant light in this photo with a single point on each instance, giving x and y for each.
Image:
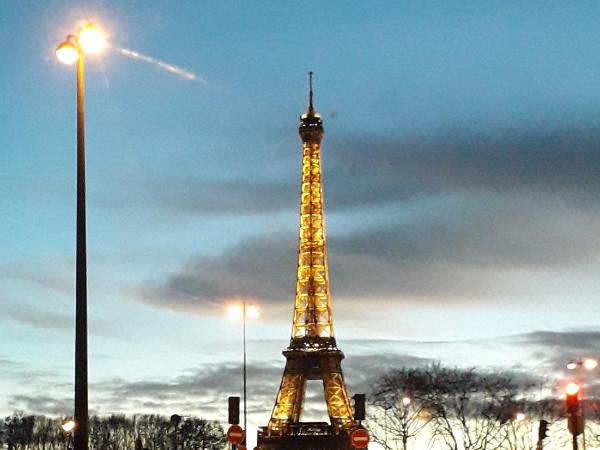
(406, 401)
(68, 425)
(590, 364)
(234, 312)
(572, 388)
(520, 416)
(252, 312)
(572, 365)
(91, 39)
(67, 52)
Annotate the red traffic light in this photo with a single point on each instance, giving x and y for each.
(572, 398)
(573, 407)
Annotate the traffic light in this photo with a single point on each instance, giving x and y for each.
(359, 406)
(573, 407)
(572, 398)
(543, 430)
(234, 410)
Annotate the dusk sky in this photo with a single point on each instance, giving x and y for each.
(461, 165)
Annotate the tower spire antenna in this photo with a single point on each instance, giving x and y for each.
(311, 109)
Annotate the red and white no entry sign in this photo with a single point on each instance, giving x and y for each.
(359, 438)
(235, 434)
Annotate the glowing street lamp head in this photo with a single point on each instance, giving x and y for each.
(572, 388)
(406, 401)
(67, 52)
(91, 39)
(519, 416)
(234, 312)
(590, 364)
(252, 312)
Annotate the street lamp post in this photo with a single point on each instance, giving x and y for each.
(247, 311)
(244, 314)
(72, 51)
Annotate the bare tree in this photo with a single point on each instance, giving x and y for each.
(463, 409)
(400, 407)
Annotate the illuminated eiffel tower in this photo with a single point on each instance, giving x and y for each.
(312, 353)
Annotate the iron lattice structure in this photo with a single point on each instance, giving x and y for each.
(312, 353)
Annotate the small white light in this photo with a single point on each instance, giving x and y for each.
(519, 416)
(406, 401)
(571, 365)
(590, 364)
(252, 312)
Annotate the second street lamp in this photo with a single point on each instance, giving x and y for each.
(245, 312)
(90, 40)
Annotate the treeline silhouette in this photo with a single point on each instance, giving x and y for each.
(116, 432)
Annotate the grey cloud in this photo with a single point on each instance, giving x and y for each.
(457, 248)
(212, 381)
(257, 267)
(576, 341)
(552, 350)
(205, 389)
(555, 348)
(42, 404)
(231, 197)
(45, 280)
(364, 170)
(491, 230)
(556, 160)
(34, 317)
(208, 387)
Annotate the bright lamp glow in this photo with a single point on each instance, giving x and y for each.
(590, 364)
(519, 417)
(406, 401)
(68, 425)
(91, 39)
(252, 312)
(67, 53)
(234, 312)
(572, 388)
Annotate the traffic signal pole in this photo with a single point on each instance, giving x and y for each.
(542, 434)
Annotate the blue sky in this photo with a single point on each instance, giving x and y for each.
(461, 167)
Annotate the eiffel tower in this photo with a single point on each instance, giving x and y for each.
(312, 353)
